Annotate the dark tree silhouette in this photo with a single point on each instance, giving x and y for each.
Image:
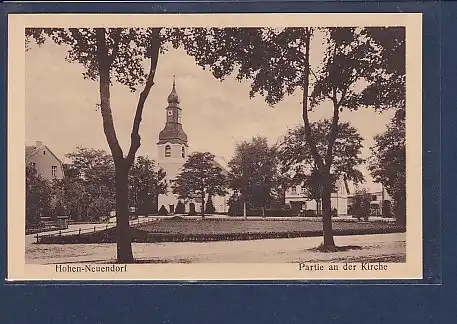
(388, 163)
(200, 178)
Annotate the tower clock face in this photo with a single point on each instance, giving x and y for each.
(170, 113)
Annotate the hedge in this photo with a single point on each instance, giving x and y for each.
(276, 212)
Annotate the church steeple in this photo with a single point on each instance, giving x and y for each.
(173, 132)
(173, 97)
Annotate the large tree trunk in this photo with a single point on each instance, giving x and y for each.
(124, 245)
(327, 217)
(122, 165)
(326, 201)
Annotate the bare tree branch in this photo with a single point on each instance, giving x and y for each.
(105, 104)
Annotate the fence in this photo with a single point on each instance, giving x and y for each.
(93, 229)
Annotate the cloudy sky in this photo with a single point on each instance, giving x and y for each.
(61, 108)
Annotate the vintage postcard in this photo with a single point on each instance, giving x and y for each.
(214, 147)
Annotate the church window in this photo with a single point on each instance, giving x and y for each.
(183, 152)
(294, 190)
(168, 151)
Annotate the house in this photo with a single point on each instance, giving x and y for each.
(299, 202)
(173, 152)
(47, 164)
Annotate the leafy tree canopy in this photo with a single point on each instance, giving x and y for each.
(346, 152)
(38, 194)
(254, 171)
(387, 163)
(147, 181)
(127, 48)
(200, 177)
(87, 191)
(359, 68)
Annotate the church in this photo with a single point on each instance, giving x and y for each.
(172, 153)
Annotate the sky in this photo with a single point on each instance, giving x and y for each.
(61, 108)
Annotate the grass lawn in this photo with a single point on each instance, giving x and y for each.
(221, 226)
(205, 230)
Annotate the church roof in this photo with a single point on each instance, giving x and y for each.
(219, 163)
(172, 133)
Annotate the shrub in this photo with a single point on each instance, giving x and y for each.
(59, 209)
(310, 213)
(180, 208)
(163, 211)
(387, 209)
(235, 208)
(209, 208)
(192, 212)
(361, 205)
(281, 211)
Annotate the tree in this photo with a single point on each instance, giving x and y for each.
(354, 71)
(285, 176)
(200, 177)
(209, 208)
(346, 155)
(252, 172)
(361, 204)
(71, 193)
(147, 182)
(38, 196)
(87, 191)
(113, 55)
(387, 163)
(180, 208)
(163, 211)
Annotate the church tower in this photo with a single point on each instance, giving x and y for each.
(172, 147)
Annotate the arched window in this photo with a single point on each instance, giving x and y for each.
(168, 151)
(183, 152)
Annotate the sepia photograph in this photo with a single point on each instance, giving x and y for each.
(251, 147)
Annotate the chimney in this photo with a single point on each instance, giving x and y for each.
(39, 143)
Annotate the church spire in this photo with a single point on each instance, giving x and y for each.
(173, 132)
(173, 96)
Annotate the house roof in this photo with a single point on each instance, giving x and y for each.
(31, 150)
